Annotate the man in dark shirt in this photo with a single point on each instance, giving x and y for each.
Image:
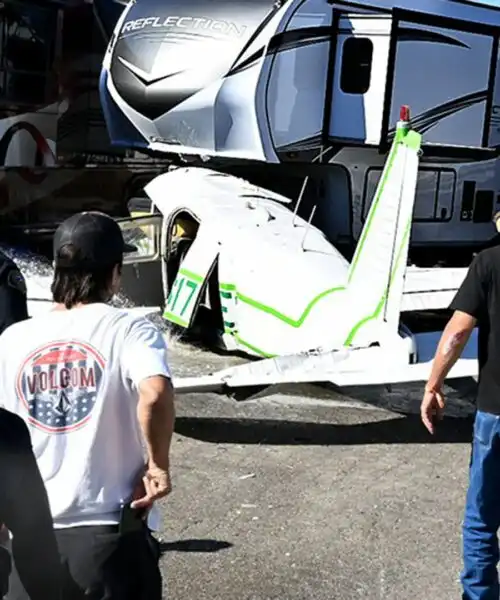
(477, 303)
(25, 510)
(13, 295)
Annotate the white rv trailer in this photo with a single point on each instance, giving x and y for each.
(313, 87)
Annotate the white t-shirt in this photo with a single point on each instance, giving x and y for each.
(73, 376)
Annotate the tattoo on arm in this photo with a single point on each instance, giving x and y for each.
(453, 342)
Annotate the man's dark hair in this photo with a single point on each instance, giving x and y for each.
(74, 285)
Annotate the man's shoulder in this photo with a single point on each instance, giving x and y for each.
(132, 315)
(128, 316)
(488, 260)
(132, 323)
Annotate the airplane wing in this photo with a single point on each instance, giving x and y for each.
(344, 368)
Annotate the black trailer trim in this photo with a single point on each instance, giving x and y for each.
(488, 111)
(332, 57)
(403, 14)
(385, 142)
(449, 23)
(360, 6)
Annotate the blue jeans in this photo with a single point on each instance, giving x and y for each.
(482, 512)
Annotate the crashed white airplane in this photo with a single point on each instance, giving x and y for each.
(284, 292)
(270, 276)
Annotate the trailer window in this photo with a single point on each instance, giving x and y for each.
(27, 39)
(356, 68)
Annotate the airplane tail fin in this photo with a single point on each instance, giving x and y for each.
(376, 275)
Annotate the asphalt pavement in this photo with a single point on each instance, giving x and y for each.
(304, 493)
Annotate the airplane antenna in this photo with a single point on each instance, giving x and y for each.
(299, 199)
(304, 185)
(308, 226)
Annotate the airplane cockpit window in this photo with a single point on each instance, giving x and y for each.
(27, 41)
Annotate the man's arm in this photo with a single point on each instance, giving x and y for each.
(469, 305)
(145, 363)
(453, 340)
(156, 414)
(26, 512)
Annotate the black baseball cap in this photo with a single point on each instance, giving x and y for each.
(96, 238)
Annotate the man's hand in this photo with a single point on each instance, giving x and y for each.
(453, 340)
(156, 484)
(432, 408)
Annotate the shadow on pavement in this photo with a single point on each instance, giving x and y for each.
(400, 430)
(194, 546)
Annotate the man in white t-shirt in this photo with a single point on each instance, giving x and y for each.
(93, 385)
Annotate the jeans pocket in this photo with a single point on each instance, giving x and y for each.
(485, 427)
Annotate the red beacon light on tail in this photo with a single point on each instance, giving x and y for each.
(404, 113)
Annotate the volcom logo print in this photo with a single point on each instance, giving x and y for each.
(58, 384)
